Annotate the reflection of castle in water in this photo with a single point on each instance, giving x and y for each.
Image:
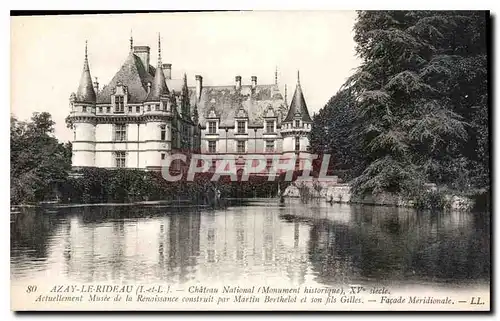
(248, 242)
(157, 248)
(210, 247)
(326, 244)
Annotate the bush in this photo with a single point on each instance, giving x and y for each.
(98, 185)
(432, 200)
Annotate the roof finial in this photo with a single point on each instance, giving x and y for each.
(298, 77)
(86, 61)
(131, 41)
(276, 76)
(159, 50)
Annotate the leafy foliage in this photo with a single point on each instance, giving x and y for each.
(415, 111)
(38, 162)
(332, 134)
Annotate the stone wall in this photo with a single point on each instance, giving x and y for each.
(338, 193)
(319, 189)
(341, 193)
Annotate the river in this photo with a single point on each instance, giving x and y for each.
(288, 244)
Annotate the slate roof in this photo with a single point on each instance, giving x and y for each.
(132, 74)
(298, 105)
(226, 101)
(85, 92)
(158, 87)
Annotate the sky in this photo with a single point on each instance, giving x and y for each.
(47, 52)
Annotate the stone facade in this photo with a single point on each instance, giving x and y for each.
(143, 114)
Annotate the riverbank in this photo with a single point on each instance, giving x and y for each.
(432, 198)
(177, 204)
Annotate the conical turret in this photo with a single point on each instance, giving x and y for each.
(159, 86)
(298, 105)
(85, 92)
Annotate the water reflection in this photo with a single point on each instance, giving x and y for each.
(399, 244)
(292, 243)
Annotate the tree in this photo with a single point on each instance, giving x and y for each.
(412, 117)
(69, 122)
(38, 162)
(465, 55)
(332, 133)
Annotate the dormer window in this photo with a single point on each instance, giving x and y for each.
(84, 109)
(269, 126)
(241, 127)
(212, 127)
(297, 123)
(119, 104)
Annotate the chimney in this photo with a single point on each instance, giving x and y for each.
(254, 82)
(238, 82)
(143, 53)
(199, 86)
(167, 70)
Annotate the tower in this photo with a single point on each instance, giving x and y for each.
(82, 115)
(158, 109)
(297, 124)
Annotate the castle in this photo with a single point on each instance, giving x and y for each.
(143, 114)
